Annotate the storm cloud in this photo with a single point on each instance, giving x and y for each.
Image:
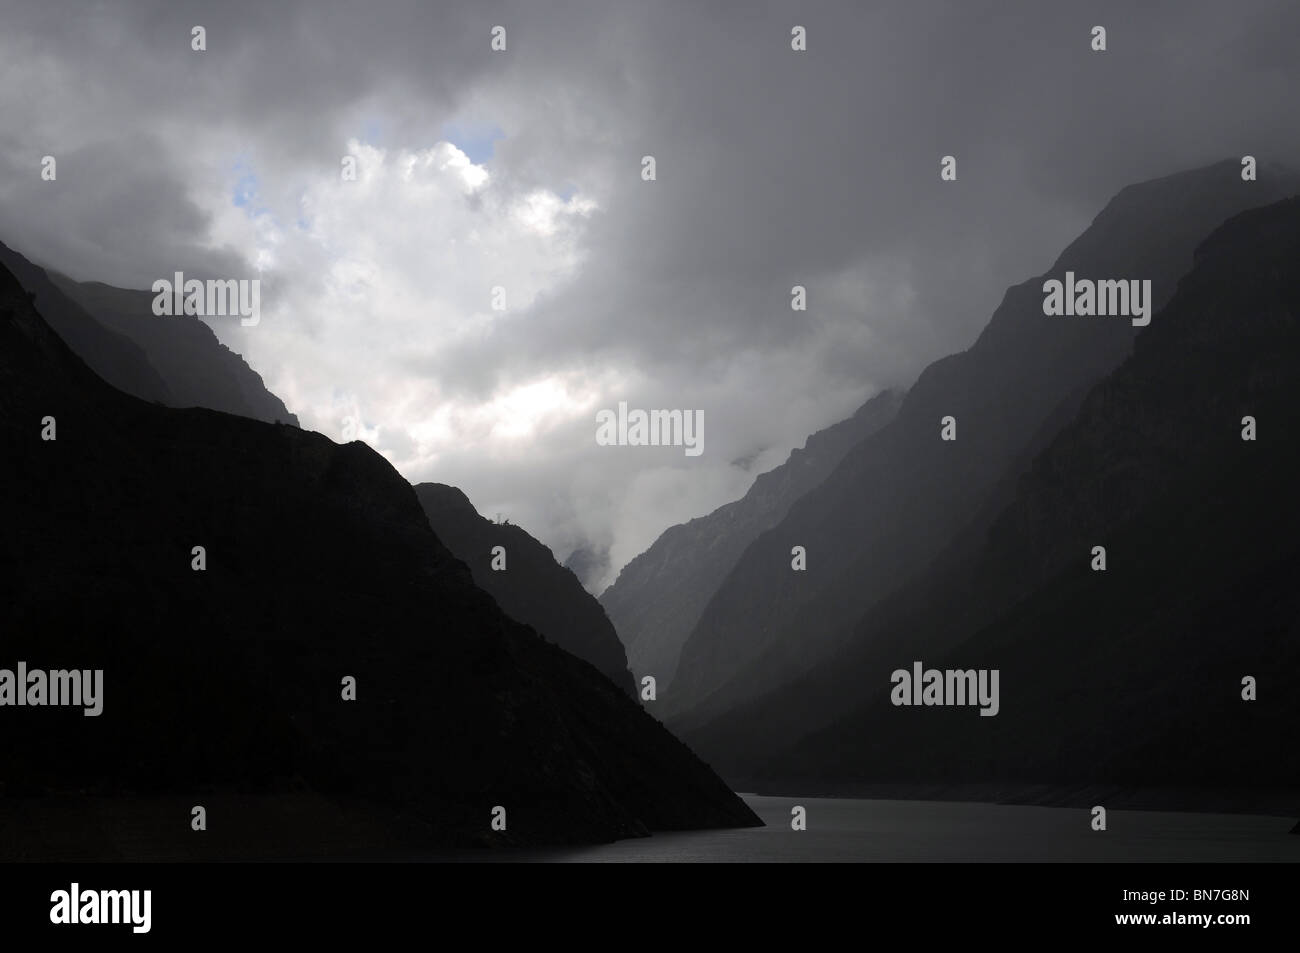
(521, 170)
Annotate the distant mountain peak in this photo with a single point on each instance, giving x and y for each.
(658, 596)
(902, 495)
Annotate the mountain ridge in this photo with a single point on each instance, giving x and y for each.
(320, 564)
(1201, 533)
(113, 355)
(900, 496)
(659, 595)
(199, 370)
(532, 588)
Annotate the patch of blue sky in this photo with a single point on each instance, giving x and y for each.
(476, 138)
(244, 194)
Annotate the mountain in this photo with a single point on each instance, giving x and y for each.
(657, 598)
(320, 565)
(532, 587)
(175, 361)
(903, 494)
(589, 563)
(1132, 677)
(112, 355)
(198, 369)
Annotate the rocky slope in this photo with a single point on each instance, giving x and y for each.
(1129, 677)
(658, 596)
(112, 355)
(198, 369)
(320, 565)
(532, 587)
(902, 495)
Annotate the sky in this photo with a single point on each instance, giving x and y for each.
(521, 170)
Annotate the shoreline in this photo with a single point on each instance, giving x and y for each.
(309, 827)
(1264, 802)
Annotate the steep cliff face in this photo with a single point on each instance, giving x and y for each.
(1134, 675)
(176, 360)
(528, 585)
(112, 355)
(658, 597)
(320, 565)
(903, 495)
(199, 370)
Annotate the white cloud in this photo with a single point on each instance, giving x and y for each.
(380, 279)
(378, 326)
(774, 169)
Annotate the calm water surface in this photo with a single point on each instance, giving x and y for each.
(841, 829)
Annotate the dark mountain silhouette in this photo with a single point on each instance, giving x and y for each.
(112, 355)
(589, 564)
(1131, 677)
(198, 369)
(176, 361)
(320, 564)
(532, 588)
(659, 595)
(903, 494)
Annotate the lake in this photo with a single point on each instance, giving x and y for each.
(845, 829)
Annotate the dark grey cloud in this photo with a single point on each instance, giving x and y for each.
(774, 168)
